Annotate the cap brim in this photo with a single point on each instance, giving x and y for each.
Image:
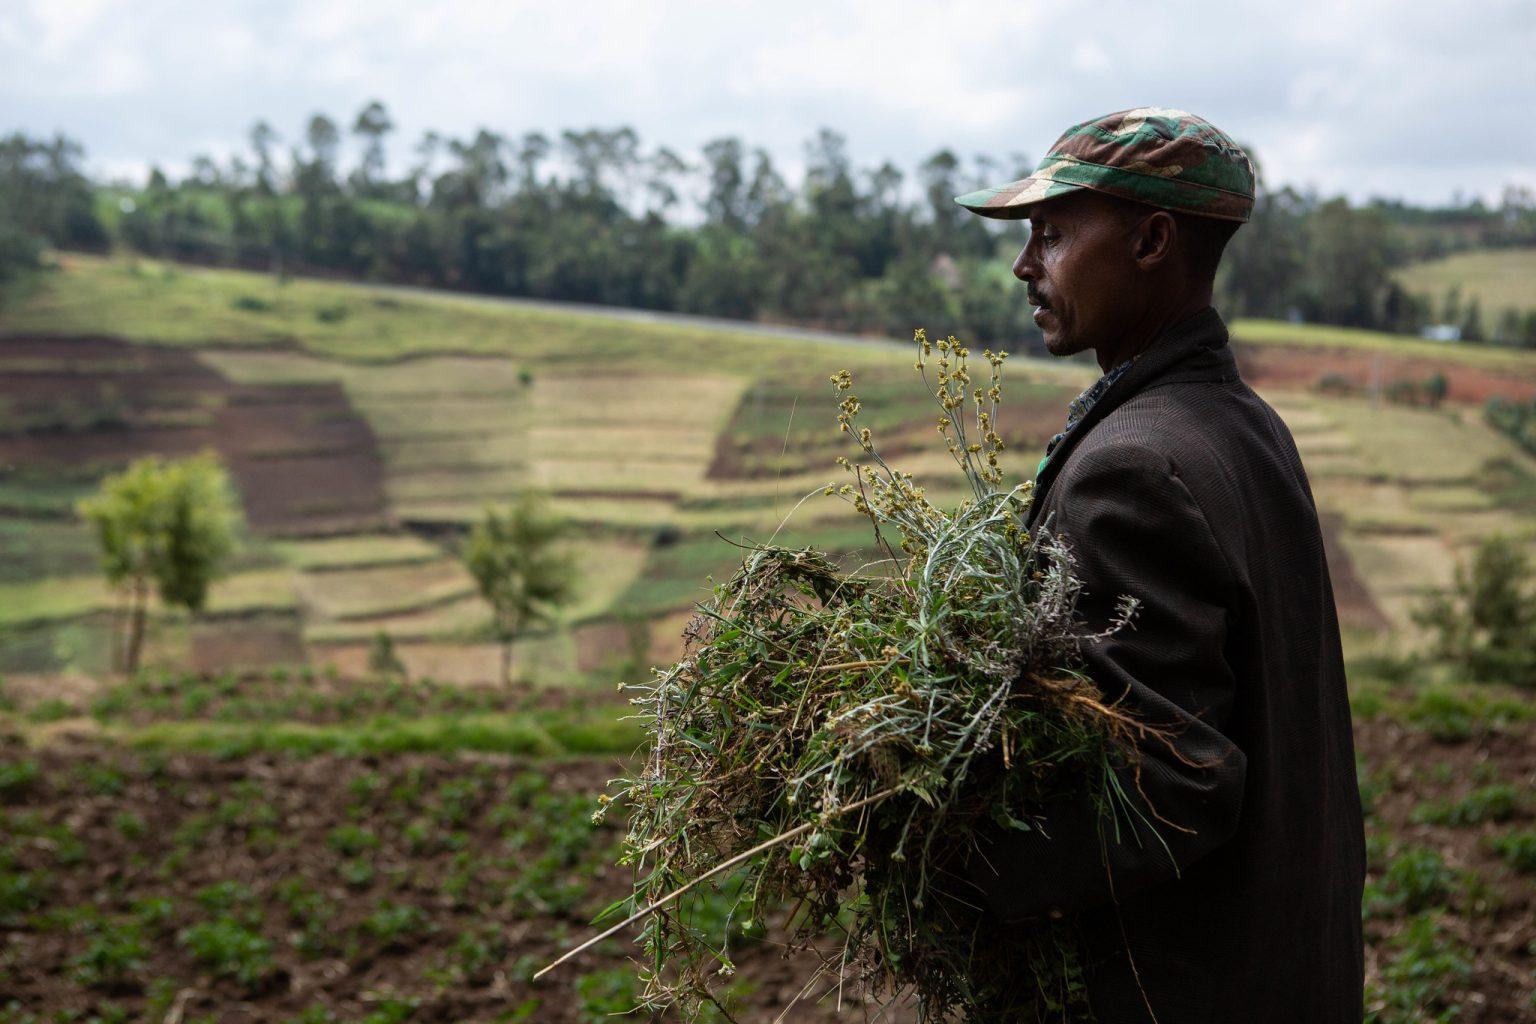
(1013, 200)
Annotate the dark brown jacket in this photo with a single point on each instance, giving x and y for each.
(1182, 488)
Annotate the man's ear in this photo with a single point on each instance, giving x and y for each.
(1156, 240)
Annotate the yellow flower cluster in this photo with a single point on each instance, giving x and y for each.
(891, 497)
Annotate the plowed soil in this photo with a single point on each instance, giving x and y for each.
(302, 459)
(431, 887)
(1282, 367)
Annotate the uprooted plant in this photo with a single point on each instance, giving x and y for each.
(831, 738)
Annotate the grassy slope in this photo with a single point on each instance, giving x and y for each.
(471, 400)
(150, 301)
(1279, 332)
(1416, 489)
(1498, 278)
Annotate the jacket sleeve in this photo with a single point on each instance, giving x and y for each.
(1134, 528)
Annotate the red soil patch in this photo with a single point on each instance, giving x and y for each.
(606, 643)
(302, 459)
(1300, 368)
(221, 644)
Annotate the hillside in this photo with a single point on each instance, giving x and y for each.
(367, 426)
(288, 835)
(1498, 279)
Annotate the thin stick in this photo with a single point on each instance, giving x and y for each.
(722, 866)
(849, 665)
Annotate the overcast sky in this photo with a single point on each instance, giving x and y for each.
(1387, 97)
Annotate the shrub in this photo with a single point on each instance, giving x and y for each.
(230, 949)
(1452, 714)
(1485, 623)
(351, 840)
(382, 657)
(111, 957)
(20, 893)
(17, 778)
(1417, 879)
(1421, 977)
(1519, 848)
(1499, 802)
(391, 922)
(251, 304)
(51, 710)
(1335, 384)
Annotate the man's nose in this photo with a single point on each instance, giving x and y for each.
(1023, 266)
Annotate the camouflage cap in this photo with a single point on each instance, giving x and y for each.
(1166, 158)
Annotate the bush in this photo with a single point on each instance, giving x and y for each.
(17, 778)
(1452, 714)
(1335, 384)
(1417, 879)
(112, 957)
(1421, 977)
(1485, 623)
(1519, 848)
(230, 949)
(251, 304)
(1499, 802)
(383, 660)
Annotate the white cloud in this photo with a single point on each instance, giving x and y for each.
(1089, 58)
(1370, 97)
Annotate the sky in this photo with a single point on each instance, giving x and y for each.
(1390, 98)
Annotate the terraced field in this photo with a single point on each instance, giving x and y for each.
(651, 440)
(264, 828)
(1409, 494)
(367, 428)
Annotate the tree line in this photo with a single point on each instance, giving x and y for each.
(595, 215)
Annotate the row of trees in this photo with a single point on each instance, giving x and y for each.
(596, 216)
(166, 529)
(44, 199)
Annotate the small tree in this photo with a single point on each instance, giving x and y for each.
(520, 570)
(382, 657)
(1485, 624)
(170, 524)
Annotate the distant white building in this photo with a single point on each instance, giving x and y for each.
(1440, 332)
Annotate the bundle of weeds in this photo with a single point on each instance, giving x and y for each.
(833, 738)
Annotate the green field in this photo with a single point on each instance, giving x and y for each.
(652, 438)
(649, 437)
(413, 848)
(1498, 279)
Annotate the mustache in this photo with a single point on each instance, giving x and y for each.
(1034, 297)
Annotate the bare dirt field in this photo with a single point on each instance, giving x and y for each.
(302, 458)
(426, 888)
(1302, 368)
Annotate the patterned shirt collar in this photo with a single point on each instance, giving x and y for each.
(1082, 403)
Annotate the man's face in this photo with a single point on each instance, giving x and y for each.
(1081, 273)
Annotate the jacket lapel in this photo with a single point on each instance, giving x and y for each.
(1193, 349)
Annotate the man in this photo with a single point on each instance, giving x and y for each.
(1177, 485)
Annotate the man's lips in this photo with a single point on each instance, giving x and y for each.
(1040, 312)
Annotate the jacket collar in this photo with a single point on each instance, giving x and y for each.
(1195, 348)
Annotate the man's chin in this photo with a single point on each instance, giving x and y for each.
(1058, 344)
